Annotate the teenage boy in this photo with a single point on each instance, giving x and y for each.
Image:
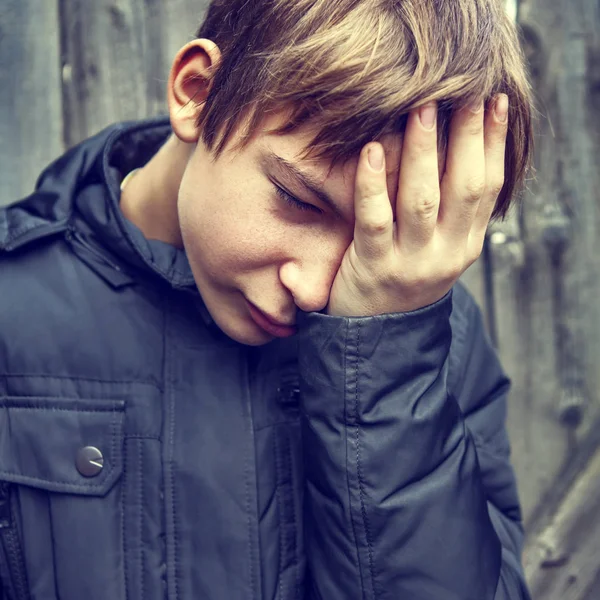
(234, 363)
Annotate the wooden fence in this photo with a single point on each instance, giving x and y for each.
(70, 67)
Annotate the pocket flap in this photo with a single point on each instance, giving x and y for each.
(40, 439)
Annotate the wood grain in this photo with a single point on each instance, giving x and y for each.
(561, 224)
(562, 561)
(117, 56)
(72, 67)
(523, 317)
(112, 64)
(31, 129)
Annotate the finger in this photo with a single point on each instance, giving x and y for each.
(496, 129)
(418, 199)
(374, 220)
(463, 184)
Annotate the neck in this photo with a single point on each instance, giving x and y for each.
(149, 199)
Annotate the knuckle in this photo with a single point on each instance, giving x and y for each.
(369, 189)
(425, 144)
(374, 227)
(475, 127)
(418, 280)
(426, 210)
(375, 224)
(473, 257)
(445, 275)
(426, 202)
(452, 271)
(474, 189)
(495, 187)
(476, 248)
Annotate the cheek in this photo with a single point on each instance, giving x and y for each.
(227, 230)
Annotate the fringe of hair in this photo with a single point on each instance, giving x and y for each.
(354, 69)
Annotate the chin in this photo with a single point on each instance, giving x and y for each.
(244, 333)
(250, 340)
(231, 320)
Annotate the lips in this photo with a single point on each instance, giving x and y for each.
(268, 324)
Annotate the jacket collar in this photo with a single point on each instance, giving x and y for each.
(81, 191)
(125, 148)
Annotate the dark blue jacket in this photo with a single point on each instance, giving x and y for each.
(365, 458)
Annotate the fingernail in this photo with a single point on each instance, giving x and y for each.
(428, 115)
(376, 157)
(501, 108)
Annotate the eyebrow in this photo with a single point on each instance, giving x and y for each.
(304, 179)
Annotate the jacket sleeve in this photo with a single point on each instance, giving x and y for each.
(409, 489)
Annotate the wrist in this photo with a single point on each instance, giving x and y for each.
(357, 307)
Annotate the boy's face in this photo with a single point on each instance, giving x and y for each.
(257, 256)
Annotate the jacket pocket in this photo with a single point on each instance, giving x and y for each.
(61, 462)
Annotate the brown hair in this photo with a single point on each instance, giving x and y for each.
(354, 69)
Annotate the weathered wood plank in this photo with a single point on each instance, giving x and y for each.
(180, 20)
(117, 55)
(111, 62)
(548, 321)
(523, 315)
(562, 562)
(31, 132)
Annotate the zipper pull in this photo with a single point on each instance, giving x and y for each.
(73, 235)
(112, 273)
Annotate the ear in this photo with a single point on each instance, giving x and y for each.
(189, 84)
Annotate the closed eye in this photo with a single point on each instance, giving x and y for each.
(294, 202)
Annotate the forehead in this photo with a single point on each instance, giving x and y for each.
(338, 180)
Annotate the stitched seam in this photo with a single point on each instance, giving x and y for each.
(140, 515)
(170, 466)
(73, 486)
(346, 429)
(279, 508)
(13, 375)
(48, 509)
(358, 466)
(251, 456)
(13, 407)
(19, 232)
(250, 545)
(113, 433)
(292, 519)
(114, 426)
(122, 506)
(123, 536)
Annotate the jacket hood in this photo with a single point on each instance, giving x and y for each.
(81, 190)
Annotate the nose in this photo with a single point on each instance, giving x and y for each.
(309, 283)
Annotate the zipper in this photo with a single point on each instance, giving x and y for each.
(72, 235)
(288, 392)
(96, 260)
(11, 545)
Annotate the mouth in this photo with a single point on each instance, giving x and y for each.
(269, 324)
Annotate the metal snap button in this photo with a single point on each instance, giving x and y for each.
(89, 461)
